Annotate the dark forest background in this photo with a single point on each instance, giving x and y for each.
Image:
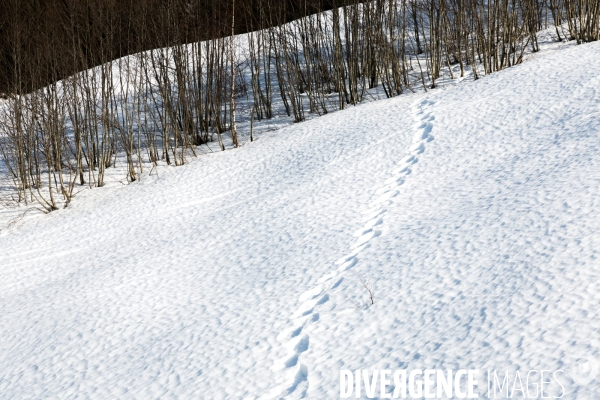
(42, 41)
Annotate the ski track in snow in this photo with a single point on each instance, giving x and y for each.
(219, 279)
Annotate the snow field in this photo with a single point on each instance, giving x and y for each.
(472, 212)
(491, 257)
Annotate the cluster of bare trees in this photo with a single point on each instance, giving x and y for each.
(160, 105)
(582, 17)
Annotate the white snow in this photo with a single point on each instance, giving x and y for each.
(472, 213)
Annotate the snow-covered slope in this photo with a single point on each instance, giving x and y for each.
(472, 213)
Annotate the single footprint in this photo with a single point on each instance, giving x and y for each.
(404, 170)
(292, 361)
(408, 159)
(418, 148)
(385, 197)
(323, 300)
(349, 264)
(395, 180)
(296, 332)
(311, 294)
(302, 345)
(365, 238)
(336, 284)
(373, 213)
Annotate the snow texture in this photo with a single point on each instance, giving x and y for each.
(471, 212)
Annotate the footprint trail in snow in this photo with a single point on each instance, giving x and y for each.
(297, 338)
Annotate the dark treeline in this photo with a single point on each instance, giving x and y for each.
(53, 39)
(60, 129)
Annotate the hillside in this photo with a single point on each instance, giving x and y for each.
(471, 212)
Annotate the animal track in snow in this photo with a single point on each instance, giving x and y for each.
(373, 227)
(292, 361)
(302, 345)
(323, 300)
(297, 332)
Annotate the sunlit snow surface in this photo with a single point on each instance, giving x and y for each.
(474, 213)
